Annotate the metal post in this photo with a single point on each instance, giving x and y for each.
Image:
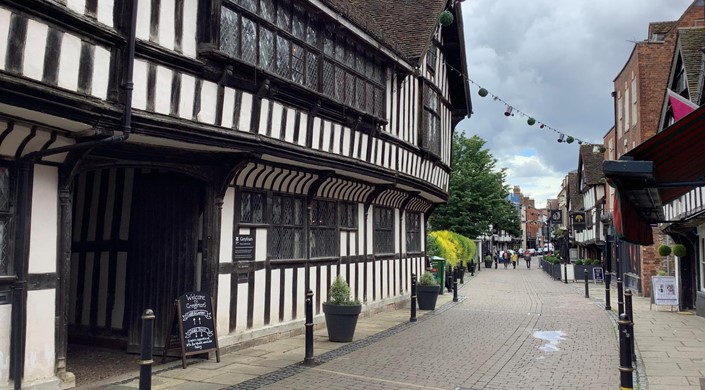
(413, 298)
(625, 355)
(565, 273)
(587, 289)
(620, 297)
(146, 356)
(308, 359)
(455, 284)
(608, 277)
(629, 313)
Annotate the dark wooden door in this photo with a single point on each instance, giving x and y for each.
(163, 247)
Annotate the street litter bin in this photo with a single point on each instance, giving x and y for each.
(438, 268)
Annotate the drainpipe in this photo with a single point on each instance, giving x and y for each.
(23, 214)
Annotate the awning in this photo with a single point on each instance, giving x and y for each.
(678, 157)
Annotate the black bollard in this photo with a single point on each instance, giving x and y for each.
(607, 291)
(587, 289)
(629, 313)
(146, 356)
(413, 298)
(620, 297)
(308, 359)
(565, 273)
(455, 284)
(625, 354)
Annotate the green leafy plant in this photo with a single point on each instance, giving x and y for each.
(578, 262)
(597, 262)
(664, 250)
(446, 18)
(660, 273)
(340, 293)
(488, 258)
(679, 250)
(427, 279)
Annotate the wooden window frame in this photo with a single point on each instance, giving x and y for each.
(383, 236)
(413, 236)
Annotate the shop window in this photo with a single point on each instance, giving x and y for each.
(384, 230)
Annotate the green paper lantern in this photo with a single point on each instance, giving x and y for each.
(531, 121)
(482, 92)
(679, 250)
(602, 149)
(446, 18)
(664, 250)
(569, 140)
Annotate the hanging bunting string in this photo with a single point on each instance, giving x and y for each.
(510, 110)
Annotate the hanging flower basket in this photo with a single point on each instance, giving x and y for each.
(482, 92)
(664, 250)
(531, 121)
(446, 18)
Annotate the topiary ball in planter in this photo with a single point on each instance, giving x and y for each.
(679, 250)
(341, 312)
(427, 291)
(446, 18)
(664, 250)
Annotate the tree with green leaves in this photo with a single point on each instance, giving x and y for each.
(478, 194)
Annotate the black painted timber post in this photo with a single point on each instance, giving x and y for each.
(587, 288)
(413, 298)
(628, 311)
(146, 356)
(607, 291)
(455, 284)
(308, 359)
(620, 297)
(625, 356)
(565, 272)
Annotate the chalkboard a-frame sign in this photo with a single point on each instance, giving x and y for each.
(195, 323)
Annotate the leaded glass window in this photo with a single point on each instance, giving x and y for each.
(431, 58)
(250, 5)
(299, 22)
(283, 57)
(266, 49)
(267, 11)
(229, 33)
(5, 220)
(312, 32)
(328, 79)
(432, 120)
(252, 206)
(349, 89)
(340, 76)
(284, 15)
(297, 63)
(287, 238)
(249, 41)
(384, 230)
(4, 189)
(348, 215)
(312, 71)
(413, 232)
(324, 235)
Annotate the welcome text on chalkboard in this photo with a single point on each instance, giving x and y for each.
(195, 322)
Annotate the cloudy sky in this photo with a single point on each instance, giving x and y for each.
(554, 61)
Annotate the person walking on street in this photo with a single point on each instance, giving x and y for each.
(527, 257)
(505, 258)
(515, 258)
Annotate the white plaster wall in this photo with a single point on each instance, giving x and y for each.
(241, 305)
(274, 305)
(105, 12)
(301, 293)
(162, 99)
(288, 276)
(39, 354)
(303, 120)
(5, 16)
(35, 45)
(223, 313)
(226, 226)
(228, 106)
(245, 112)
(209, 101)
(188, 40)
(5, 327)
(261, 244)
(396, 232)
(166, 23)
(69, 62)
(258, 312)
(43, 230)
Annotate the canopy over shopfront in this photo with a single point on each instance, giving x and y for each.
(658, 171)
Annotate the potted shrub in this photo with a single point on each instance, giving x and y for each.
(427, 291)
(488, 261)
(341, 312)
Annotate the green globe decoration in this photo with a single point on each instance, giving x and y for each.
(446, 18)
(602, 149)
(679, 250)
(569, 140)
(531, 121)
(482, 92)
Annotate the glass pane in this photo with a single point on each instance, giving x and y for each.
(284, 15)
(339, 84)
(298, 212)
(4, 252)
(360, 98)
(276, 210)
(299, 22)
(229, 32)
(266, 49)
(287, 211)
(311, 32)
(349, 89)
(312, 71)
(328, 42)
(369, 98)
(360, 62)
(283, 57)
(258, 201)
(246, 207)
(249, 41)
(380, 102)
(328, 79)
(4, 189)
(340, 49)
(250, 5)
(350, 55)
(267, 11)
(297, 63)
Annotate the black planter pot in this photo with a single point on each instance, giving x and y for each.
(341, 321)
(427, 296)
(488, 263)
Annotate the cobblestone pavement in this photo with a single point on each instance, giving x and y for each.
(489, 340)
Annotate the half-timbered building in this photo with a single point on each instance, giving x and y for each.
(250, 149)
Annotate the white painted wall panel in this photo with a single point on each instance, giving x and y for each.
(327, 130)
(276, 120)
(105, 12)
(288, 275)
(303, 121)
(290, 126)
(5, 16)
(346, 141)
(78, 6)
(162, 99)
(144, 9)
(188, 88)
(243, 295)
(315, 144)
(226, 226)
(258, 312)
(228, 107)
(166, 23)
(139, 94)
(35, 45)
(39, 349)
(5, 330)
(337, 134)
(263, 117)
(69, 62)
(43, 230)
(209, 101)
(188, 39)
(223, 313)
(301, 294)
(101, 72)
(261, 245)
(245, 112)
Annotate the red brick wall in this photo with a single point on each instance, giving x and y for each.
(651, 261)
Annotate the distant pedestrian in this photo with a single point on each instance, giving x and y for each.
(515, 258)
(527, 257)
(505, 258)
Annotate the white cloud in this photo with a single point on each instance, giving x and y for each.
(555, 61)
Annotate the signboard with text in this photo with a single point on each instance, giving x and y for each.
(664, 290)
(244, 248)
(194, 321)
